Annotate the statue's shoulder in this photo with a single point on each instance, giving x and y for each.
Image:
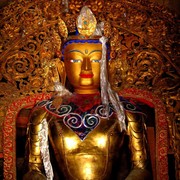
(52, 105)
(54, 101)
(130, 104)
(45, 107)
(42, 106)
(37, 114)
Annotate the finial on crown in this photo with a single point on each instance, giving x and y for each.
(86, 22)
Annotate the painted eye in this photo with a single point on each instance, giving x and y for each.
(96, 60)
(75, 60)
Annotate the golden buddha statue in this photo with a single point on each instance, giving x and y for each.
(90, 131)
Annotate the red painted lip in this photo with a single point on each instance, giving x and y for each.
(86, 75)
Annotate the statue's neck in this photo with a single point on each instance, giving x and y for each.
(86, 91)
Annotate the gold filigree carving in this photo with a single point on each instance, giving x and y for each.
(144, 49)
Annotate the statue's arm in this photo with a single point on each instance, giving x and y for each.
(34, 161)
(138, 146)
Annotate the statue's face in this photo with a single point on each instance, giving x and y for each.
(82, 63)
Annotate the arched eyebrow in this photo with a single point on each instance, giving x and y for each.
(74, 50)
(94, 51)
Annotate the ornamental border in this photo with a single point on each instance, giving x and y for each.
(9, 131)
(161, 128)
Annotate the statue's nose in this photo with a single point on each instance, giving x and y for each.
(86, 65)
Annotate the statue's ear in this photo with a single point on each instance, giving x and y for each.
(62, 72)
(62, 28)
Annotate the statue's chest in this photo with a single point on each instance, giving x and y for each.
(91, 144)
(82, 137)
(80, 115)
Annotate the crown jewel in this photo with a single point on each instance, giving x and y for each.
(86, 22)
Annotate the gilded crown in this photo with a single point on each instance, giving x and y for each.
(87, 27)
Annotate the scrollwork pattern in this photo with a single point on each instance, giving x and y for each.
(100, 111)
(144, 49)
(31, 30)
(64, 109)
(90, 121)
(73, 120)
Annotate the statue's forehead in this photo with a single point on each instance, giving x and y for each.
(80, 42)
(83, 46)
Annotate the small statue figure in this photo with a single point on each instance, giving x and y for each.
(94, 134)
